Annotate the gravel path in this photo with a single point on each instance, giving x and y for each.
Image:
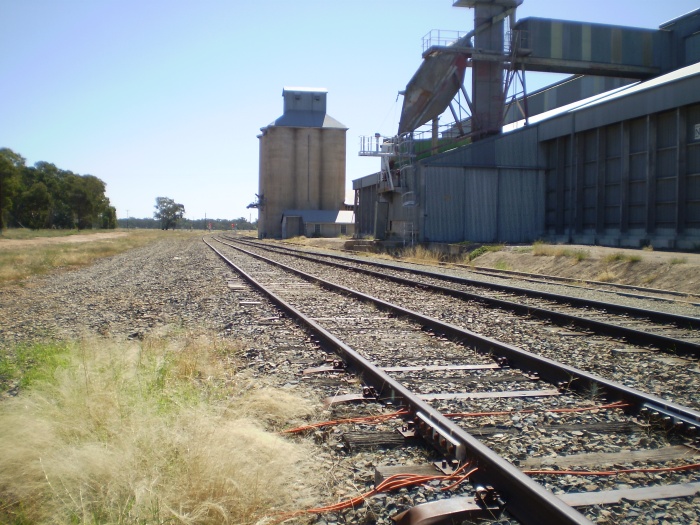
(123, 296)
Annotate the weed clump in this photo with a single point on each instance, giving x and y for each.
(481, 250)
(622, 257)
(420, 254)
(157, 432)
(540, 248)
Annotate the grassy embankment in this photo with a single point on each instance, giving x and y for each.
(165, 430)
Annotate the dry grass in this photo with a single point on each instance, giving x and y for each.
(540, 248)
(605, 277)
(621, 257)
(649, 279)
(150, 433)
(502, 265)
(28, 253)
(299, 239)
(420, 254)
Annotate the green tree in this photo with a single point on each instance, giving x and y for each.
(86, 199)
(34, 207)
(44, 196)
(11, 165)
(58, 183)
(108, 218)
(168, 212)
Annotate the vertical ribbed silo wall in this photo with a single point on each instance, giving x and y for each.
(332, 173)
(262, 168)
(276, 176)
(305, 183)
(490, 191)
(520, 205)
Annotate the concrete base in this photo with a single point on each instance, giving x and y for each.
(360, 245)
(662, 243)
(583, 238)
(633, 242)
(608, 240)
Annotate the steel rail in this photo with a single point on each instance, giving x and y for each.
(632, 335)
(526, 500)
(615, 288)
(682, 321)
(564, 376)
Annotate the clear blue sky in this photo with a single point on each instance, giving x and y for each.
(167, 97)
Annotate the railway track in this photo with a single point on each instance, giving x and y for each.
(625, 290)
(487, 406)
(673, 332)
(614, 358)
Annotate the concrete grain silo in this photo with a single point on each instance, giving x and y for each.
(302, 160)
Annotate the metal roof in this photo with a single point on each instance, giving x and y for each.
(322, 216)
(305, 107)
(690, 13)
(307, 119)
(662, 81)
(305, 89)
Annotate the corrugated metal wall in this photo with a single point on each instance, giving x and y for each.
(517, 149)
(490, 191)
(483, 204)
(692, 49)
(445, 204)
(364, 214)
(630, 183)
(585, 42)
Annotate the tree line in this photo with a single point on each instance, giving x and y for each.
(44, 196)
(191, 224)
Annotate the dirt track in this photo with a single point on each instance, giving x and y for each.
(67, 239)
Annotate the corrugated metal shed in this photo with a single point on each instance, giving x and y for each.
(619, 168)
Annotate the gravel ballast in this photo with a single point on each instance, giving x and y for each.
(180, 282)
